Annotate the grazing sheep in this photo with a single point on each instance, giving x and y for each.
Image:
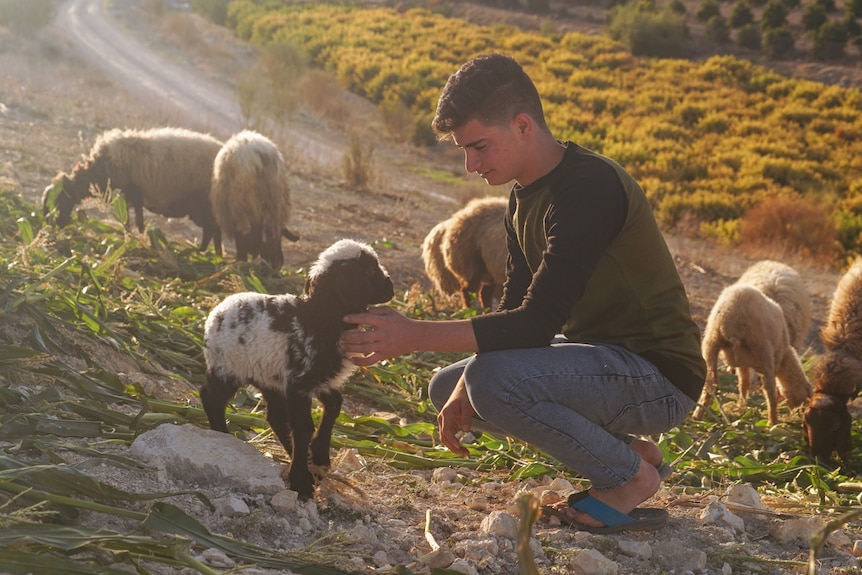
(166, 170)
(288, 347)
(826, 420)
(443, 279)
(749, 331)
(251, 196)
(472, 247)
(782, 284)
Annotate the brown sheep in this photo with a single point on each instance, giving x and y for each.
(827, 421)
(749, 331)
(474, 249)
(441, 277)
(166, 170)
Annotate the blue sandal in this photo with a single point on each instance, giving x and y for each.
(640, 519)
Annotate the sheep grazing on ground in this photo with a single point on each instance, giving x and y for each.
(251, 197)
(165, 170)
(837, 376)
(288, 347)
(441, 277)
(469, 247)
(749, 331)
(783, 285)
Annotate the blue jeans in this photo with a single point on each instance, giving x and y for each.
(580, 403)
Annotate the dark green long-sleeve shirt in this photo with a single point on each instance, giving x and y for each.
(587, 259)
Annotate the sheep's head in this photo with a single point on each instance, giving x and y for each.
(65, 192)
(838, 373)
(826, 425)
(349, 274)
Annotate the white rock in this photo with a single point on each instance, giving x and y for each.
(285, 500)
(217, 558)
(744, 494)
(501, 524)
(380, 558)
(592, 562)
(437, 559)
(444, 474)
(462, 566)
(561, 485)
(674, 556)
(797, 529)
(726, 569)
(718, 514)
(231, 506)
(195, 455)
(637, 549)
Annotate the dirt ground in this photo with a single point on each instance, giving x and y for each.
(52, 105)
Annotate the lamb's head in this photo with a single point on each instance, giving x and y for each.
(349, 275)
(826, 425)
(838, 373)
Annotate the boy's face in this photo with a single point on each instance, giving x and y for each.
(493, 152)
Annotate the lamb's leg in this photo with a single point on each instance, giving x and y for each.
(279, 420)
(709, 385)
(322, 439)
(215, 393)
(486, 295)
(743, 377)
(298, 411)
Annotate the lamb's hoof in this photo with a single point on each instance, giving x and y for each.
(318, 472)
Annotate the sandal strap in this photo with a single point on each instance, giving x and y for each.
(588, 504)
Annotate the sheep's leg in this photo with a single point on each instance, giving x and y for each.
(322, 439)
(768, 379)
(298, 411)
(215, 393)
(486, 295)
(709, 385)
(743, 378)
(279, 419)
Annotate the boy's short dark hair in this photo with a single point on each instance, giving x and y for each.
(491, 88)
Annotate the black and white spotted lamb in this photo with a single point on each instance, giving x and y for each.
(287, 346)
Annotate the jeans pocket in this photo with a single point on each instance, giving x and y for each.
(651, 417)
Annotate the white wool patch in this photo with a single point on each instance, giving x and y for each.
(341, 250)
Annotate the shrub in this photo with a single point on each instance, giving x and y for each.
(813, 17)
(740, 14)
(677, 7)
(707, 9)
(748, 37)
(214, 10)
(829, 41)
(792, 226)
(853, 7)
(778, 42)
(661, 34)
(774, 15)
(828, 5)
(717, 30)
(359, 163)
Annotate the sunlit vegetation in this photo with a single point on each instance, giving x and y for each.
(94, 286)
(708, 140)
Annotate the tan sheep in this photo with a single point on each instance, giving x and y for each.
(251, 196)
(827, 421)
(473, 249)
(782, 284)
(441, 277)
(749, 331)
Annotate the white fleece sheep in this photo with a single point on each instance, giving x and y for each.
(251, 196)
(471, 245)
(838, 374)
(783, 285)
(749, 331)
(288, 347)
(165, 170)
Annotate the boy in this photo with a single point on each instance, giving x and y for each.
(586, 260)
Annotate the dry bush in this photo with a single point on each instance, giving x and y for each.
(359, 163)
(791, 227)
(324, 96)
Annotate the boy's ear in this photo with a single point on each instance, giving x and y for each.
(523, 123)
